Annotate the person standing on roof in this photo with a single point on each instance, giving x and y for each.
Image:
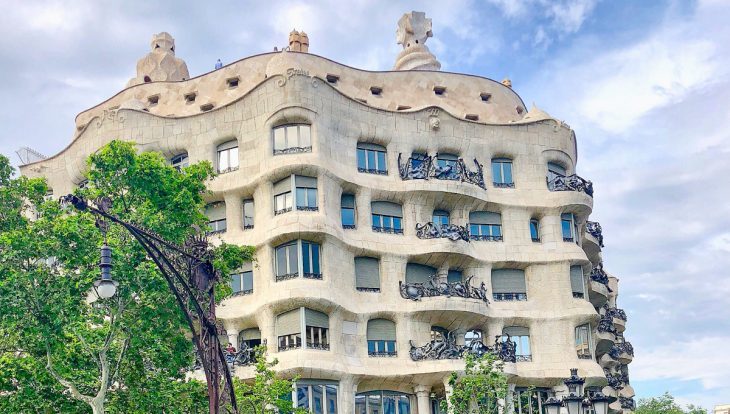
(218, 64)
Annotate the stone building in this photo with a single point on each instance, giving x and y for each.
(401, 219)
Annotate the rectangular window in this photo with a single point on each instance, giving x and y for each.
(287, 261)
(316, 398)
(381, 348)
(310, 260)
(440, 218)
(306, 188)
(491, 232)
(292, 138)
(367, 274)
(371, 159)
(317, 338)
(216, 213)
(291, 341)
(577, 283)
(521, 337)
(227, 160)
(248, 214)
(347, 212)
(502, 173)
(180, 161)
(567, 224)
(387, 224)
(583, 341)
(283, 200)
(290, 255)
(509, 284)
(535, 230)
(242, 282)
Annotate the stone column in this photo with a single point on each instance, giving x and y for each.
(346, 395)
(423, 397)
(509, 404)
(448, 390)
(234, 212)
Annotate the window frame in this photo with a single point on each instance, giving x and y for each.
(588, 342)
(501, 180)
(248, 221)
(572, 225)
(353, 209)
(227, 153)
(440, 214)
(180, 161)
(535, 230)
(313, 263)
(379, 158)
(325, 386)
(292, 147)
(519, 349)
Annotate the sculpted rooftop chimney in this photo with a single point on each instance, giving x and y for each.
(160, 64)
(413, 30)
(298, 41)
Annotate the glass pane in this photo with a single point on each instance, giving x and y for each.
(279, 139)
(382, 166)
(223, 160)
(306, 257)
(303, 397)
(533, 230)
(301, 197)
(293, 259)
(474, 229)
(525, 345)
(567, 229)
(376, 220)
(312, 197)
(397, 223)
(497, 172)
(247, 281)
(388, 222)
(388, 404)
(371, 160)
(331, 399)
(236, 283)
(360, 404)
(507, 170)
(287, 200)
(348, 217)
(374, 406)
(404, 405)
(281, 261)
(304, 137)
(317, 399)
(496, 230)
(361, 159)
(315, 257)
(372, 346)
(233, 157)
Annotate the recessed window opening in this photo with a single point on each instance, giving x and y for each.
(216, 213)
(332, 78)
(447, 166)
(439, 90)
(485, 226)
(440, 218)
(521, 336)
(535, 230)
(317, 397)
(387, 217)
(376, 90)
(502, 173)
(306, 196)
(206, 107)
(283, 201)
(583, 341)
(248, 214)
(232, 82)
(297, 257)
(381, 338)
(292, 138)
(472, 117)
(569, 227)
(242, 280)
(228, 156)
(485, 97)
(367, 274)
(153, 100)
(371, 158)
(376, 402)
(509, 285)
(180, 161)
(347, 212)
(577, 282)
(190, 97)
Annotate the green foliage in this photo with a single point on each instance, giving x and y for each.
(665, 404)
(227, 258)
(267, 391)
(58, 348)
(480, 388)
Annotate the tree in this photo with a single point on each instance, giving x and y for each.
(480, 388)
(268, 393)
(130, 350)
(665, 404)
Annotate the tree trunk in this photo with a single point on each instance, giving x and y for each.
(97, 406)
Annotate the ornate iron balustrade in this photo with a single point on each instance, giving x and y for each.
(618, 349)
(445, 347)
(367, 289)
(307, 208)
(317, 276)
(437, 287)
(523, 358)
(372, 171)
(614, 380)
(570, 183)
(427, 167)
(223, 171)
(292, 150)
(282, 211)
(389, 230)
(627, 403)
(616, 313)
(243, 357)
(242, 292)
(349, 226)
(319, 346)
(605, 324)
(289, 347)
(287, 276)
(594, 229)
(585, 356)
(384, 354)
(485, 237)
(599, 275)
(452, 232)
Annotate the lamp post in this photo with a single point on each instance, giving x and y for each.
(191, 278)
(574, 400)
(600, 403)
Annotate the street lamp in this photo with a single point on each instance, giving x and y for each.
(600, 403)
(552, 405)
(574, 400)
(105, 287)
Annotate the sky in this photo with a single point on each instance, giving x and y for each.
(644, 84)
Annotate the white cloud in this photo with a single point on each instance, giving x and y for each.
(568, 16)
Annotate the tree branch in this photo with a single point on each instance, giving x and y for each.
(69, 386)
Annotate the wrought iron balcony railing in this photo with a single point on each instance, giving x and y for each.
(292, 150)
(308, 275)
(438, 287)
(599, 275)
(243, 292)
(485, 237)
(452, 232)
(389, 230)
(627, 403)
(620, 348)
(307, 208)
(605, 324)
(594, 229)
(318, 345)
(289, 347)
(509, 297)
(426, 167)
(367, 289)
(372, 171)
(445, 347)
(616, 313)
(287, 276)
(282, 211)
(570, 183)
(243, 357)
(383, 354)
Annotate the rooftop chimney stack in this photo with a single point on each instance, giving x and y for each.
(298, 41)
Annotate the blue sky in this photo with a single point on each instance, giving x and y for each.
(645, 85)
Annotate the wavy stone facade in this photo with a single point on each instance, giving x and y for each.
(412, 341)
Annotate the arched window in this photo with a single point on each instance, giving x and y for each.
(418, 273)
(387, 217)
(372, 158)
(292, 138)
(381, 338)
(520, 335)
(485, 225)
(508, 284)
(502, 173)
(180, 161)
(216, 213)
(228, 156)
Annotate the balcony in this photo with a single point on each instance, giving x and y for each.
(445, 347)
(426, 167)
(570, 183)
(605, 335)
(437, 287)
(388, 230)
(243, 357)
(292, 150)
(618, 316)
(452, 232)
(594, 229)
(622, 352)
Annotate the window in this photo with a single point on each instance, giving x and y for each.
(485, 225)
(292, 138)
(583, 341)
(454, 276)
(473, 336)
(206, 107)
(316, 396)
(282, 196)
(250, 338)
(232, 82)
(289, 330)
(228, 156)
(554, 171)
(471, 117)
(180, 161)
(387, 217)
(367, 274)
(153, 100)
(508, 285)
(417, 160)
(485, 97)
(248, 211)
(577, 282)
(216, 213)
(242, 280)
(381, 338)
(332, 78)
(440, 218)
(418, 273)
(316, 327)
(306, 193)
(535, 230)
(528, 401)
(520, 336)
(289, 256)
(347, 211)
(190, 97)
(569, 227)
(382, 402)
(376, 90)
(315, 324)
(502, 173)
(439, 90)
(371, 158)
(447, 166)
